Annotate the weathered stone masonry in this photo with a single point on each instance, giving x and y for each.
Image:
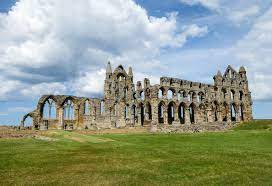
(173, 102)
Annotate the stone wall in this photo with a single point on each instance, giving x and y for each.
(173, 102)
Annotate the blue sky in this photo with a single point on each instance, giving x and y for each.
(59, 47)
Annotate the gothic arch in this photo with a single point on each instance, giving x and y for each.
(181, 112)
(161, 110)
(171, 112)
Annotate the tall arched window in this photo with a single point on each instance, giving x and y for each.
(170, 94)
(28, 122)
(68, 110)
(149, 111)
(160, 94)
(233, 113)
(241, 95)
(224, 93)
(115, 109)
(181, 114)
(192, 114)
(161, 112)
(49, 109)
(232, 94)
(102, 107)
(126, 93)
(86, 107)
(171, 113)
(126, 112)
(142, 95)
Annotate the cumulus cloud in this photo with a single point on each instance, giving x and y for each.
(49, 46)
(238, 12)
(255, 50)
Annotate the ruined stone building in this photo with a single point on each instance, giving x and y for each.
(172, 102)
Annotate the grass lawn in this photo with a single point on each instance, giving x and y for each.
(242, 156)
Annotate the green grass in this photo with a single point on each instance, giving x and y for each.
(255, 125)
(239, 157)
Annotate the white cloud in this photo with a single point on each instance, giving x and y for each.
(238, 12)
(211, 4)
(49, 46)
(255, 49)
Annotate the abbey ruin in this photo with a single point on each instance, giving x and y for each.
(173, 102)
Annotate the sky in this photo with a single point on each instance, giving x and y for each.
(62, 47)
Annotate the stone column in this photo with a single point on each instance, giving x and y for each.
(187, 116)
(155, 117)
(210, 118)
(165, 116)
(219, 116)
(60, 118)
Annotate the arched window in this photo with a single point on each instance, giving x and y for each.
(149, 111)
(192, 114)
(181, 114)
(180, 95)
(241, 95)
(170, 94)
(102, 107)
(160, 94)
(115, 109)
(126, 93)
(224, 93)
(241, 112)
(28, 122)
(232, 94)
(134, 114)
(126, 112)
(68, 110)
(215, 112)
(49, 109)
(233, 113)
(86, 108)
(171, 113)
(161, 112)
(142, 95)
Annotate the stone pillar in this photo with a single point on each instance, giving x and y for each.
(187, 116)
(219, 116)
(165, 116)
(60, 118)
(77, 124)
(155, 117)
(210, 115)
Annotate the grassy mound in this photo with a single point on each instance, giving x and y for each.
(255, 125)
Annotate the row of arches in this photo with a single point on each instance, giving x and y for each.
(49, 109)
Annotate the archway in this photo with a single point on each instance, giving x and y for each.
(161, 112)
(192, 113)
(87, 107)
(233, 113)
(133, 113)
(149, 111)
(28, 122)
(215, 109)
(126, 116)
(171, 112)
(49, 109)
(142, 113)
(102, 107)
(181, 113)
(68, 110)
(170, 94)
(160, 93)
